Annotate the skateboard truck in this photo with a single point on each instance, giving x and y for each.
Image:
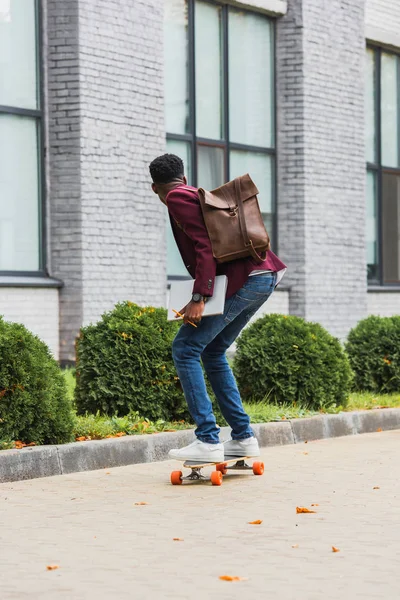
(240, 465)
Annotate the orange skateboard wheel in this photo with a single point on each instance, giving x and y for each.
(222, 467)
(176, 477)
(216, 478)
(258, 468)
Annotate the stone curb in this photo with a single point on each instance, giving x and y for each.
(45, 461)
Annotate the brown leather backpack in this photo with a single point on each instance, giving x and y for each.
(233, 220)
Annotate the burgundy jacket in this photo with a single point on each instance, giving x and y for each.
(195, 247)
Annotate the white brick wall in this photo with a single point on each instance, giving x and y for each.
(36, 308)
(384, 304)
(382, 23)
(321, 171)
(122, 129)
(106, 123)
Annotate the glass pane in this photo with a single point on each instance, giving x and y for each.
(391, 227)
(176, 66)
(210, 167)
(251, 79)
(260, 168)
(182, 149)
(209, 69)
(19, 198)
(372, 228)
(18, 69)
(370, 106)
(390, 110)
(175, 264)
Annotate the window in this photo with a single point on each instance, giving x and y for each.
(383, 166)
(219, 96)
(21, 248)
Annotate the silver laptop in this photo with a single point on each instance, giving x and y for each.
(181, 294)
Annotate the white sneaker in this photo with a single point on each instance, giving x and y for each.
(247, 447)
(200, 451)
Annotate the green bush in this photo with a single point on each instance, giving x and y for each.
(284, 360)
(373, 347)
(34, 406)
(124, 364)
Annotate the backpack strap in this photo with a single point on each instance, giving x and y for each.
(242, 222)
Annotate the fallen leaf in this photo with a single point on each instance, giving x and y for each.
(314, 504)
(52, 567)
(306, 442)
(302, 509)
(376, 487)
(335, 549)
(108, 473)
(230, 578)
(295, 546)
(177, 539)
(379, 429)
(140, 503)
(255, 522)
(82, 438)
(305, 452)
(120, 434)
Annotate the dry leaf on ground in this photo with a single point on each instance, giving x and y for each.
(303, 509)
(379, 429)
(305, 452)
(295, 546)
(19, 445)
(52, 567)
(230, 578)
(335, 549)
(178, 539)
(376, 487)
(140, 503)
(314, 504)
(258, 522)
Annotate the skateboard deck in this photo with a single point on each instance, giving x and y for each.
(238, 463)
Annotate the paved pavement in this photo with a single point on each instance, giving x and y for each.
(108, 547)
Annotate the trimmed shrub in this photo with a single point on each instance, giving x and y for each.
(34, 405)
(124, 364)
(373, 346)
(285, 359)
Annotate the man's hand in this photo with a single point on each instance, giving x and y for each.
(193, 312)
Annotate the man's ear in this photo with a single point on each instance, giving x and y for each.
(154, 188)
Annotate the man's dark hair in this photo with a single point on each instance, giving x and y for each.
(166, 168)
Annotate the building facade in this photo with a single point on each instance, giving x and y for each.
(304, 95)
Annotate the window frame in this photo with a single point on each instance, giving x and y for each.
(193, 140)
(38, 116)
(377, 167)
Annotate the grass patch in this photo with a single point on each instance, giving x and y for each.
(368, 400)
(96, 427)
(70, 380)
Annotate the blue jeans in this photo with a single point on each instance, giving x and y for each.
(209, 341)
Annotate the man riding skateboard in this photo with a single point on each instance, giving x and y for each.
(250, 284)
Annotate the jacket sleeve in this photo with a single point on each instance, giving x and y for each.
(186, 211)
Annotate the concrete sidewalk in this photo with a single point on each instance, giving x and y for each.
(106, 546)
